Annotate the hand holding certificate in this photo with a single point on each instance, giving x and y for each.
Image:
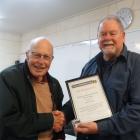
(88, 99)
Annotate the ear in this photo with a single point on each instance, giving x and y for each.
(27, 55)
(124, 36)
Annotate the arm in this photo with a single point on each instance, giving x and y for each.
(20, 123)
(68, 111)
(127, 118)
(57, 98)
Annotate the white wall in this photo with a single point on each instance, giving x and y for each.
(74, 29)
(83, 26)
(66, 33)
(10, 46)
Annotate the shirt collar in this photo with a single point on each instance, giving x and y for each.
(123, 55)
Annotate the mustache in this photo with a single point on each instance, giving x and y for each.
(106, 43)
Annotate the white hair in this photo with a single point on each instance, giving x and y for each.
(34, 41)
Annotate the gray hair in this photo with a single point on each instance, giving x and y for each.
(36, 40)
(112, 17)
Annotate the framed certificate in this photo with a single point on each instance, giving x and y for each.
(88, 99)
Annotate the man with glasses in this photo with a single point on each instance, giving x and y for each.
(30, 97)
(119, 72)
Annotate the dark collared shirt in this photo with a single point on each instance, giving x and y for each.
(121, 82)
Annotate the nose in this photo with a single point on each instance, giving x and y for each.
(42, 57)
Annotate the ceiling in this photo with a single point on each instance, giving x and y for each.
(21, 16)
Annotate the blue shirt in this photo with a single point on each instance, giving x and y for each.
(121, 82)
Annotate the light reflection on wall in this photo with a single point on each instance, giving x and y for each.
(70, 59)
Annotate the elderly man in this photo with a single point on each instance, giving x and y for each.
(30, 97)
(119, 71)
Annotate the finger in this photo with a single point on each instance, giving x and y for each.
(56, 112)
(81, 130)
(57, 128)
(83, 125)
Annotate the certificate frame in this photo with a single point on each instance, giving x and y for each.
(88, 99)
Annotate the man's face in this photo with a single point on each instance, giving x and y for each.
(110, 39)
(39, 59)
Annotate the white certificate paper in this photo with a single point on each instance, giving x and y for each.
(88, 99)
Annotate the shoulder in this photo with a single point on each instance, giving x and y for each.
(133, 54)
(12, 72)
(90, 67)
(90, 63)
(133, 63)
(133, 57)
(9, 70)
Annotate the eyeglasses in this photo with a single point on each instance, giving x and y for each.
(36, 55)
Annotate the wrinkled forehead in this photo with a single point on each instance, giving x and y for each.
(42, 46)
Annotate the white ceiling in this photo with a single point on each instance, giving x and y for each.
(21, 16)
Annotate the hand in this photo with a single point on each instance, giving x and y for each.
(59, 121)
(86, 128)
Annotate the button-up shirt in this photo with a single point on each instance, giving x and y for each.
(121, 82)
